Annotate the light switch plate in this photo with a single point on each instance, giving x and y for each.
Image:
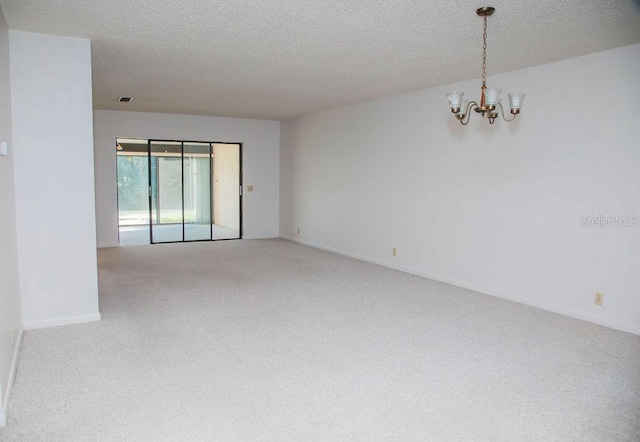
(4, 148)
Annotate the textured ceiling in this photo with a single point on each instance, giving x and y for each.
(280, 59)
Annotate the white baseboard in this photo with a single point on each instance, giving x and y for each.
(625, 327)
(106, 246)
(34, 325)
(12, 378)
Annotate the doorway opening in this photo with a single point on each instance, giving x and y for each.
(178, 191)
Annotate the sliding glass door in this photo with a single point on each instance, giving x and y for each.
(132, 163)
(193, 191)
(196, 172)
(166, 191)
(226, 185)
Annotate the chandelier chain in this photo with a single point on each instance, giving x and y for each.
(484, 53)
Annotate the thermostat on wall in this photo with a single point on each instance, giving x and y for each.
(4, 148)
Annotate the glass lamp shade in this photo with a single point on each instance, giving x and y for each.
(515, 100)
(492, 96)
(455, 99)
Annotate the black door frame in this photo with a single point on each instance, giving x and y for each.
(240, 192)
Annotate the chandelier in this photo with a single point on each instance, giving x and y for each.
(490, 101)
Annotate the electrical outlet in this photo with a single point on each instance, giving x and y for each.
(598, 298)
(395, 252)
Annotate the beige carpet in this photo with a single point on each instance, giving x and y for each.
(270, 340)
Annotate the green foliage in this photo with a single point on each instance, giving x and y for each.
(133, 182)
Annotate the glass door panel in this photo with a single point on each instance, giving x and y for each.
(166, 191)
(226, 190)
(197, 191)
(132, 160)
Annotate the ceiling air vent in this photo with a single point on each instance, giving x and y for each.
(125, 99)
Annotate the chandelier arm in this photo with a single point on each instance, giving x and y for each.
(503, 115)
(464, 118)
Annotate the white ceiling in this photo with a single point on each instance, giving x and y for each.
(280, 59)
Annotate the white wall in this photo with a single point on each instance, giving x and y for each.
(495, 208)
(10, 314)
(53, 154)
(261, 143)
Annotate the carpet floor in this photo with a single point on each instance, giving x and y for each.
(268, 340)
